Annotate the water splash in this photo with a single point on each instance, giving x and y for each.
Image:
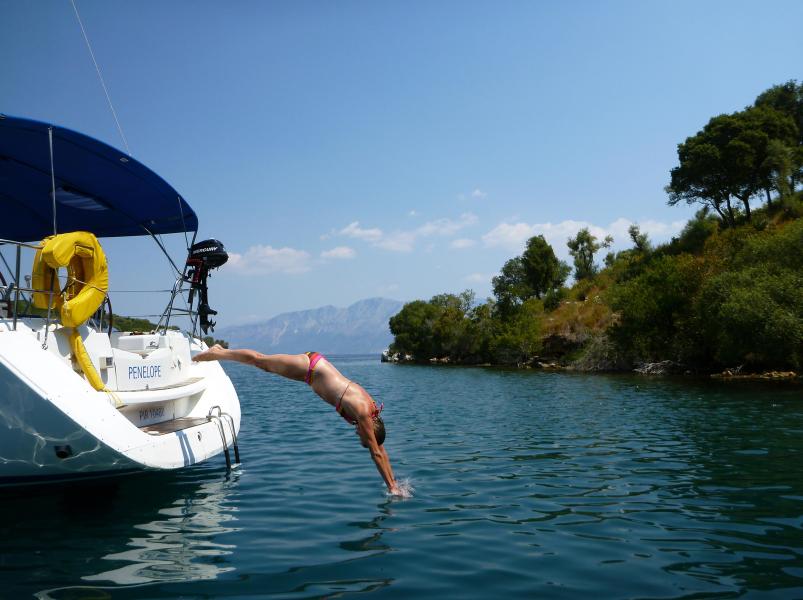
(404, 489)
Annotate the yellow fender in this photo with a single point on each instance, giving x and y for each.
(87, 284)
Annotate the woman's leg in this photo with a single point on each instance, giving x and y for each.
(292, 366)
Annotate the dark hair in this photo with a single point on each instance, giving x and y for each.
(379, 430)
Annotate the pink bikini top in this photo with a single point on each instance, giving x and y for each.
(350, 420)
(314, 358)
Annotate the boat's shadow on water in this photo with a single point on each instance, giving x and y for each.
(137, 530)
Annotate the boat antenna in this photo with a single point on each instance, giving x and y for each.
(100, 76)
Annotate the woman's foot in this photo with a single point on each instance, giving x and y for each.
(214, 353)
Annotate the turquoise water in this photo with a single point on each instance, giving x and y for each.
(527, 485)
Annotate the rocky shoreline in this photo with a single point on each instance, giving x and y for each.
(766, 375)
(666, 367)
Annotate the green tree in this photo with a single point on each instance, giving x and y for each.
(532, 275)
(751, 316)
(519, 338)
(656, 317)
(695, 233)
(750, 310)
(629, 263)
(510, 287)
(583, 247)
(413, 329)
(122, 323)
(542, 269)
(641, 241)
(461, 302)
(729, 161)
(787, 98)
(441, 327)
(452, 329)
(483, 329)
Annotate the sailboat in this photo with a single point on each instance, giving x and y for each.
(78, 398)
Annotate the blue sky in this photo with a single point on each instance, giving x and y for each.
(344, 150)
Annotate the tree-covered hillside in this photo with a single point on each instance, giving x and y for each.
(724, 293)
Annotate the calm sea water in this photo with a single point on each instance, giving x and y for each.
(527, 485)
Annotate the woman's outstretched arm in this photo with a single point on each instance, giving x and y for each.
(365, 429)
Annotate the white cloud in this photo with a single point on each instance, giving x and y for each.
(339, 252)
(412, 213)
(263, 260)
(509, 235)
(398, 241)
(446, 227)
(477, 278)
(404, 240)
(462, 243)
(475, 194)
(661, 232)
(353, 230)
(513, 236)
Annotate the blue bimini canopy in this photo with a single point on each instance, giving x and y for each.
(98, 188)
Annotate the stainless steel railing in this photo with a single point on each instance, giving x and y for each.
(13, 294)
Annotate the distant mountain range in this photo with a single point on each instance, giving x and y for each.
(361, 328)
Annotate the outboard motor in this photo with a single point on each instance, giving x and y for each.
(206, 255)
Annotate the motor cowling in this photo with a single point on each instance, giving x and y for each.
(203, 257)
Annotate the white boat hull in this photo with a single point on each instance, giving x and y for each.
(55, 426)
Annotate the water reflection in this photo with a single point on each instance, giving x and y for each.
(182, 546)
(143, 530)
(373, 541)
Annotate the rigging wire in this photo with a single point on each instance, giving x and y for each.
(158, 239)
(162, 245)
(52, 176)
(100, 76)
(184, 224)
